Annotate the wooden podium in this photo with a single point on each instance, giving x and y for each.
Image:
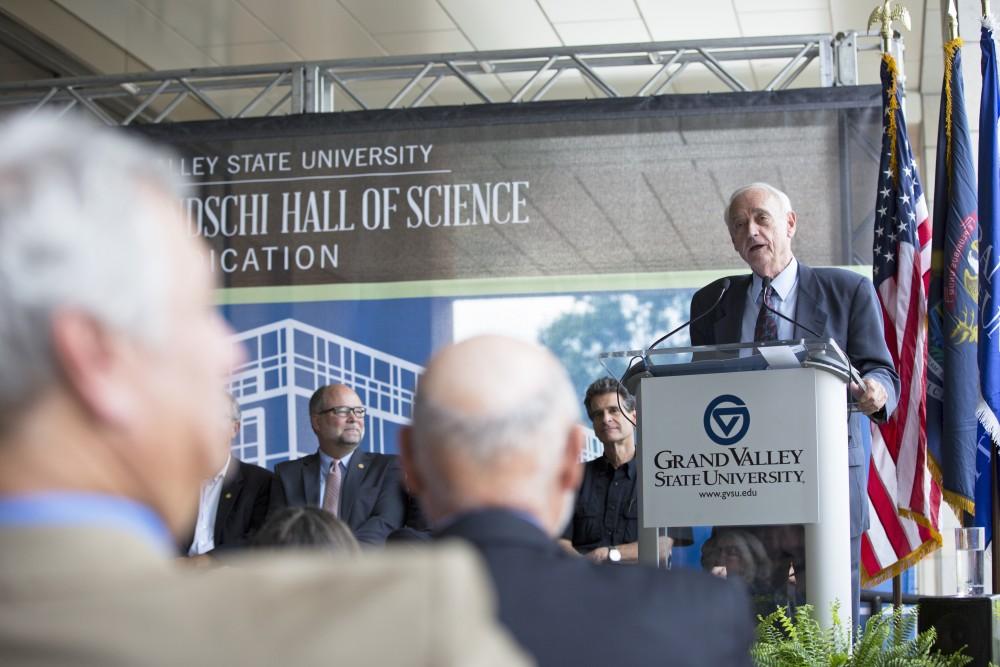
(748, 435)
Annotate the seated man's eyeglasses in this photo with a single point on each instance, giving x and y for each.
(343, 411)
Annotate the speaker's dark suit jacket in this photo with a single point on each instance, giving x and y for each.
(243, 505)
(836, 304)
(566, 610)
(372, 501)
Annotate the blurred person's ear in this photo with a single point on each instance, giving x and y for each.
(570, 469)
(93, 364)
(412, 479)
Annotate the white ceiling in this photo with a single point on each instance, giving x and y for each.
(167, 34)
(115, 36)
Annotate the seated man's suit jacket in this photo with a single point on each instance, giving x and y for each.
(243, 505)
(566, 610)
(372, 500)
(836, 304)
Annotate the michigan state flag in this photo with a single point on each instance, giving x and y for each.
(952, 394)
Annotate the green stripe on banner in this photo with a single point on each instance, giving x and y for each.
(615, 282)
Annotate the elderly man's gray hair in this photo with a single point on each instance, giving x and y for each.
(76, 207)
(786, 203)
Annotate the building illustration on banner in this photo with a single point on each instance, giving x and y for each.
(288, 360)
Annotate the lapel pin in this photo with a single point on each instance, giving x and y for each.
(361, 465)
(229, 495)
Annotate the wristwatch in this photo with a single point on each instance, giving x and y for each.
(614, 555)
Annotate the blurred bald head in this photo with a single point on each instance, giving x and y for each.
(495, 424)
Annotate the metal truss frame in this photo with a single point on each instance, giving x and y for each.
(318, 86)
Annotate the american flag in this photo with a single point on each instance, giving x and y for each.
(903, 498)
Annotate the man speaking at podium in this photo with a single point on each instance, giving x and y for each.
(832, 303)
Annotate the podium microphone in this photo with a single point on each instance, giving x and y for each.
(718, 300)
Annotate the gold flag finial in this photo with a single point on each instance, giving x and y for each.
(986, 9)
(952, 20)
(884, 15)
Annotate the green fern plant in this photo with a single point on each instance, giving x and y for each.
(799, 641)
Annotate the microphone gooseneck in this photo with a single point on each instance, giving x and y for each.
(718, 300)
(851, 371)
(765, 282)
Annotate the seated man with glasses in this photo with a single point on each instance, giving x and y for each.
(362, 489)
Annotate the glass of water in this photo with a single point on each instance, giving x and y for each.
(970, 563)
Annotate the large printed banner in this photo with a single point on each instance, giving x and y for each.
(496, 192)
(350, 246)
(325, 209)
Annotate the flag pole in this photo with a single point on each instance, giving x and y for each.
(994, 496)
(952, 18)
(995, 548)
(884, 15)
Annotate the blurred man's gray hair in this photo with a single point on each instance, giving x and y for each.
(786, 203)
(536, 426)
(540, 419)
(76, 205)
(235, 411)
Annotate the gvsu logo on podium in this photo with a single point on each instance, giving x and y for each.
(727, 420)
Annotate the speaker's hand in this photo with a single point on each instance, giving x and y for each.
(870, 396)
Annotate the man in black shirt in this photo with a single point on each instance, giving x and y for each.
(605, 525)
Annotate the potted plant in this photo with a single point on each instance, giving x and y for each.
(784, 641)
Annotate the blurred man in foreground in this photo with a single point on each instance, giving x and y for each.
(112, 360)
(493, 456)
